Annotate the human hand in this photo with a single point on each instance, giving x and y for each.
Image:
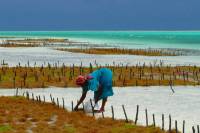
(76, 108)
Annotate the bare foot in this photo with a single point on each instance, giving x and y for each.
(101, 110)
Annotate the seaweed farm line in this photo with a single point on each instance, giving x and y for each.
(119, 51)
(182, 105)
(42, 77)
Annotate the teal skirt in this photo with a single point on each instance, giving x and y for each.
(105, 81)
(103, 78)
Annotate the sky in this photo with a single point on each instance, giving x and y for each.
(99, 15)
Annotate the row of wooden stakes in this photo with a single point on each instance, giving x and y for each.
(57, 103)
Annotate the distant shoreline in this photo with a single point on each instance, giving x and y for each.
(125, 39)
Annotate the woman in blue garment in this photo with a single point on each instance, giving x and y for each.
(99, 81)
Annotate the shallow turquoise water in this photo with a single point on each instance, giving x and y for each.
(133, 39)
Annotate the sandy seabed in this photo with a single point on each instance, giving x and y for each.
(184, 104)
(43, 55)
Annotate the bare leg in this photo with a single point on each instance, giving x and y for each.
(99, 93)
(96, 100)
(103, 104)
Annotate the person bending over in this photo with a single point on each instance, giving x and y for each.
(99, 81)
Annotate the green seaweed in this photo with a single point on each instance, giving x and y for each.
(5, 128)
(70, 129)
(123, 128)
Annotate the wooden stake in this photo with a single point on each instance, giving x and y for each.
(92, 107)
(193, 129)
(16, 92)
(184, 126)
(58, 102)
(102, 114)
(125, 113)
(44, 98)
(63, 103)
(113, 115)
(146, 114)
(72, 106)
(51, 98)
(154, 122)
(136, 117)
(163, 122)
(33, 97)
(176, 126)
(39, 98)
(170, 123)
